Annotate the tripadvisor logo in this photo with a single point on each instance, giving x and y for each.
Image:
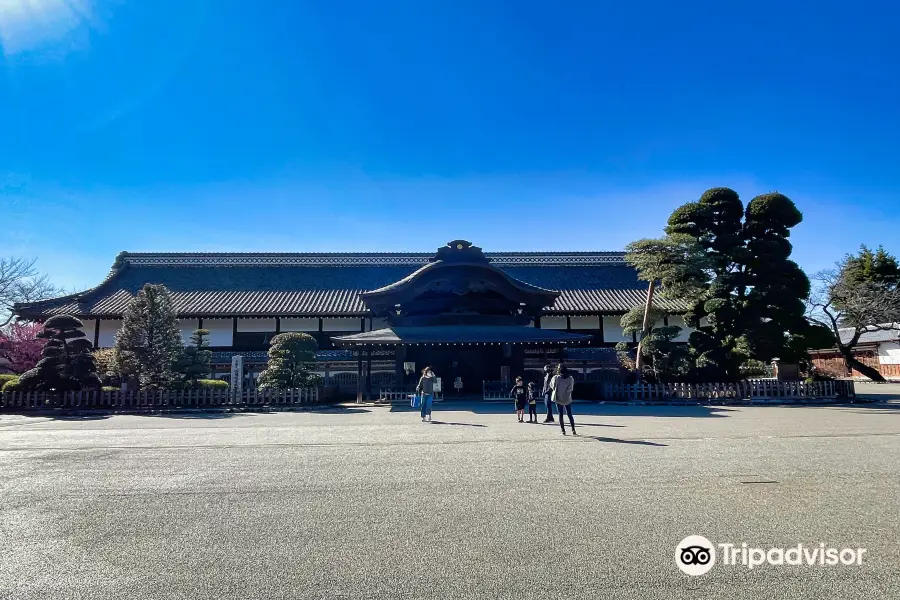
(696, 555)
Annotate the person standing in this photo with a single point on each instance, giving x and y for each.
(548, 393)
(425, 389)
(520, 393)
(563, 384)
(532, 403)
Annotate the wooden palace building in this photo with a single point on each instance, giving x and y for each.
(474, 316)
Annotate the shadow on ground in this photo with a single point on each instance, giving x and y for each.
(585, 409)
(610, 440)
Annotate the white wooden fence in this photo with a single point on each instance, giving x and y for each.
(496, 390)
(161, 400)
(743, 390)
(401, 393)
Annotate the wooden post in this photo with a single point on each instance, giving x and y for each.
(369, 374)
(359, 373)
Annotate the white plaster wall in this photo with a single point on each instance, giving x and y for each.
(612, 330)
(889, 353)
(88, 329)
(345, 324)
(108, 329)
(678, 321)
(552, 322)
(256, 325)
(585, 322)
(187, 327)
(299, 325)
(379, 324)
(221, 331)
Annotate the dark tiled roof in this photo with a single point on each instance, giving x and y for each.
(329, 284)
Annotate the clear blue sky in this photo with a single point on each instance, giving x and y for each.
(398, 125)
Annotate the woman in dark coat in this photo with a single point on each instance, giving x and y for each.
(563, 384)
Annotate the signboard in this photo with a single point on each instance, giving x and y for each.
(437, 384)
(237, 375)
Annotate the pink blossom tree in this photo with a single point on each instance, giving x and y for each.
(20, 348)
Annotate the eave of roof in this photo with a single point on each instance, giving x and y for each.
(466, 334)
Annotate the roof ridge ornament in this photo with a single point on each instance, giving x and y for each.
(460, 251)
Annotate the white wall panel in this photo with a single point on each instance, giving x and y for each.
(678, 321)
(552, 322)
(345, 324)
(88, 329)
(220, 332)
(108, 329)
(256, 325)
(585, 322)
(612, 330)
(299, 325)
(889, 353)
(187, 327)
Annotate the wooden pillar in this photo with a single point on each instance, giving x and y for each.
(537, 322)
(369, 374)
(96, 333)
(399, 359)
(277, 325)
(199, 323)
(359, 373)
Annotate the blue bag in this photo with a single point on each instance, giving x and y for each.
(414, 401)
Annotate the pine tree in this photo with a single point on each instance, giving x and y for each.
(66, 362)
(149, 342)
(194, 362)
(292, 357)
(753, 302)
(664, 359)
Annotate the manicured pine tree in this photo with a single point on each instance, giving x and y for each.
(292, 357)
(66, 363)
(149, 343)
(753, 302)
(195, 359)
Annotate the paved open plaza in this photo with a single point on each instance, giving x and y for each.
(369, 502)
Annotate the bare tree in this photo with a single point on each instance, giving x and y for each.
(857, 307)
(20, 281)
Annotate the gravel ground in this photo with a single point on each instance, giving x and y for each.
(368, 502)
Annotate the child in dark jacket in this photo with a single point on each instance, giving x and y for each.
(532, 404)
(520, 393)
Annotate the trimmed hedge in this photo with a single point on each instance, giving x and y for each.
(212, 384)
(9, 383)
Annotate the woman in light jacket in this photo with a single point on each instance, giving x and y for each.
(425, 389)
(563, 384)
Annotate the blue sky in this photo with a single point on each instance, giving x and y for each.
(399, 125)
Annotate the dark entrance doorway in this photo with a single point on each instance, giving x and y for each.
(472, 364)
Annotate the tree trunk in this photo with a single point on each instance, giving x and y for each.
(870, 372)
(645, 331)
